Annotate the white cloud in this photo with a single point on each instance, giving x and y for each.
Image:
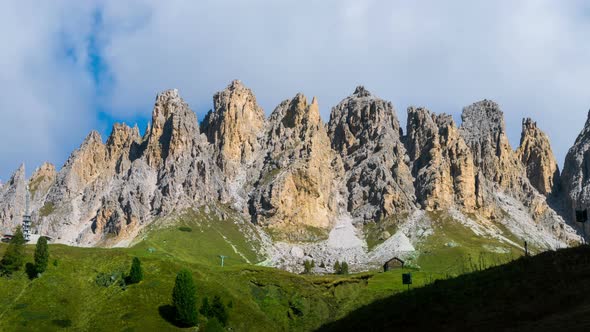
(530, 56)
(44, 96)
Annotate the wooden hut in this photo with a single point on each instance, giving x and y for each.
(393, 264)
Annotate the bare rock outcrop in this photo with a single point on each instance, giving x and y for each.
(365, 131)
(105, 193)
(297, 186)
(442, 164)
(575, 178)
(298, 177)
(537, 157)
(12, 200)
(234, 126)
(484, 131)
(501, 172)
(171, 169)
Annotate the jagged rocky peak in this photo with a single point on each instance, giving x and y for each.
(536, 155)
(174, 128)
(296, 188)
(361, 119)
(442, 164)
(88, 161)
(365, 131)
(360, 91)
(301, 115)
(121, 138)
(12, 200)
(234, 126)
(123, 146)
(484, 131)
(41, 180)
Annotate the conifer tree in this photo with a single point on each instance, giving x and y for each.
(41, 255)
(184, 298)
(344, 268)
(136, 273)
(205, 307)
(337, 268)
(14, 256)
(307, 267)
(218, 310)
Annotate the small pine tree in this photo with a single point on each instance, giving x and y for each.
(312, 264)
(344, 268)
(136, 273)
(322, 265)
(219, 311)
(41, 255)
(205, 307)
(14, 256)
(337, 268)
(307, 267)
(184, 298)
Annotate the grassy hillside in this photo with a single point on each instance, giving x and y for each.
(548, 292)
(68, 297)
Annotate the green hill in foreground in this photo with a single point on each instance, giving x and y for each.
(548, 292)
(81, 289)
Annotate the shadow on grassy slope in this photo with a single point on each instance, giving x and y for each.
(548, 292)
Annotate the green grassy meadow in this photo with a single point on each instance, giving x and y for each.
(67, 297)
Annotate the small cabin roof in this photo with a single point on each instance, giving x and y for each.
(395, 259)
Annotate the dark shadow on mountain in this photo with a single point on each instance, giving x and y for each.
(548, 292)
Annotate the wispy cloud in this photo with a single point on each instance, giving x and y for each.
(530, 56)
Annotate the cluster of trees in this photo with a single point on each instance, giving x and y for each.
(14, 257)
(184, 301)
(340, 267)
(122, 279)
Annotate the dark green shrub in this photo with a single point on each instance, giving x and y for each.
(14, 257)
(136, 273)
(308, 267)
(205, 307)
(185, 229)
(219, 311)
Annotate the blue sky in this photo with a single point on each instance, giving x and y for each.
(72, 66)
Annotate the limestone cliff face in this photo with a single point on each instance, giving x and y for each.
(12, 201)
(170, 169)
(575, 178)
(484, 131)
(297, 183)
(297, 176)
(123, 146)
(365, 131)
(502, 177)
(442, 164)
(234, 126)
(106, 192)
(537, 157)
(41, 180)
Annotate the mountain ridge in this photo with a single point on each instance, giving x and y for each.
(299, 178)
